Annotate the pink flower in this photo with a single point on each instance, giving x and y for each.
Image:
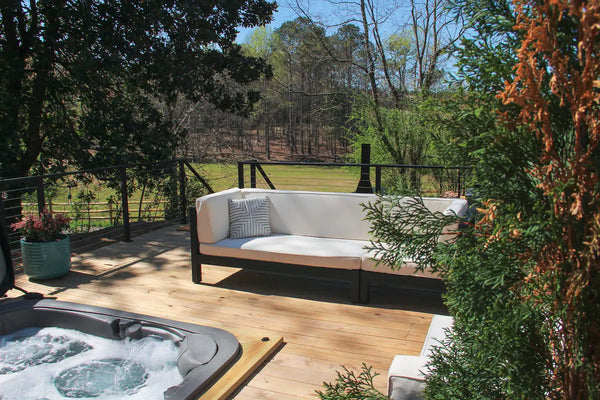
(43, 228)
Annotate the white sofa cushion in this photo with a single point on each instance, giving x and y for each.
(457, 207)
(443, 205)
(249, 217)
(436, 333)
(292, 249)
(368, 263)
(319, 214)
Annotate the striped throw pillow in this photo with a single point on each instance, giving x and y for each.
(249, 217)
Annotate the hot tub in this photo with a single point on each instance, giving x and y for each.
(204, 353)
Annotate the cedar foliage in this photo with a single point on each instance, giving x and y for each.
(350, 386)
(565, 275)
(522, 277)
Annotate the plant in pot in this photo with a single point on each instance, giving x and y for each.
(45, 247)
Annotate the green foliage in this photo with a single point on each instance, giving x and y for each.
(519, 334)
(498, 348)
(394, 217)
(414, 135)
(85, 83)
(349, 386)
(486, 54)
(404, 136)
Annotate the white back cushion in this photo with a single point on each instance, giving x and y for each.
(320, 214)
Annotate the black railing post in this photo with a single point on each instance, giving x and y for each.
(240, 174)
(182, 194)
(125, 205)
(41, 196)
(253, 175)
(378, 179)
(364, 184)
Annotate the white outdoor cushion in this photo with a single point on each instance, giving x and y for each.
(292, 249)
(436, 333)
(319, 214)
(442, 204)
(406, 373)
(458, 207)
(249, 217)
(368, 263)
(213, 215)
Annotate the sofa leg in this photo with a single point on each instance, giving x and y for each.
(197, 273)
(195, 247)
(355, 287)
(364, 288)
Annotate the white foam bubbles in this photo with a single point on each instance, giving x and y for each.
(157, 357)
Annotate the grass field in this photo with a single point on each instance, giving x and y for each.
(291, 177)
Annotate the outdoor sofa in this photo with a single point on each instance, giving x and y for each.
(298, 232)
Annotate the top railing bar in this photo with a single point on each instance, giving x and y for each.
(91, 171)
(321, 164)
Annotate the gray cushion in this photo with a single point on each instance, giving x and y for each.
(249, 217)
(405, 389)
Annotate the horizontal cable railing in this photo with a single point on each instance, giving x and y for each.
(427, 180)
(105, 204)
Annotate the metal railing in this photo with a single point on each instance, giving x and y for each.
(428, 180)
(119, 202)
(106, 204)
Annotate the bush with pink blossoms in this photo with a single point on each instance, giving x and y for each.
(45, 227)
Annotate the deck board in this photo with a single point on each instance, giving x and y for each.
(321, 328)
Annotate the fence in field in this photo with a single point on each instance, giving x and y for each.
(106, 211)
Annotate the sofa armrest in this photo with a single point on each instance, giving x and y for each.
(458, 207)
(212, 213)
(436, 333)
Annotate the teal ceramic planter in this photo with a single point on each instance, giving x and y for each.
(46, 260)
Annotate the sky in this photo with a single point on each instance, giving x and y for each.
(284, 13)
(331, 12)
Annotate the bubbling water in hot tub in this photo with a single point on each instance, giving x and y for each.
(56, 363)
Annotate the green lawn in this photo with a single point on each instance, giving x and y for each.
(291, 177)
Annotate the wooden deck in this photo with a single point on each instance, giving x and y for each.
(321, 328)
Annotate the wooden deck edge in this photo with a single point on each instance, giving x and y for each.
(253, 356)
